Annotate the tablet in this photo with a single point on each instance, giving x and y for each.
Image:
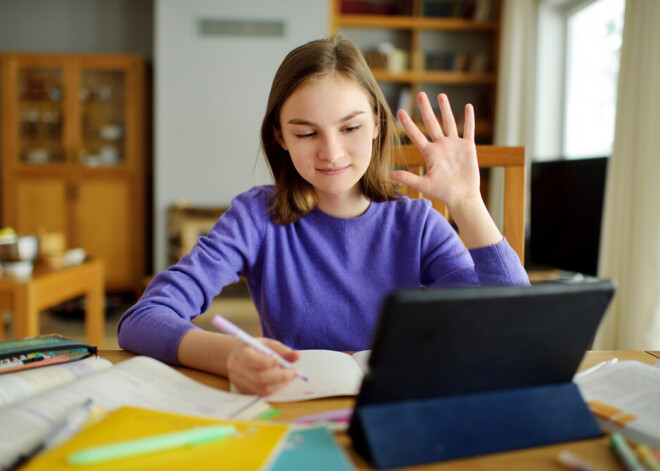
(441, 342)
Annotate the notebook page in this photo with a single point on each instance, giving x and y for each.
(330, 373)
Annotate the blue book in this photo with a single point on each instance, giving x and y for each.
(311, 448)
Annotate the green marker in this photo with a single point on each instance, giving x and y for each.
(625, 454)
(142, 446)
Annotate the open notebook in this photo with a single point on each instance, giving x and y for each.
(329, 373)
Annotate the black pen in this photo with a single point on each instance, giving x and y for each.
(71, 422)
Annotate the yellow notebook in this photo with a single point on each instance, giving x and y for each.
(256, 444)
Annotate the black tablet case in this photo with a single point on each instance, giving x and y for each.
(467, 371)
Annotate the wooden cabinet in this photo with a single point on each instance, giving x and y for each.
(74, 156)
(435, 46)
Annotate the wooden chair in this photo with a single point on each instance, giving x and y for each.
(512, 159)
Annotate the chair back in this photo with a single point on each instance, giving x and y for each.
(512, 159)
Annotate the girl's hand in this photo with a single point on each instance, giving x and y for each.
(253, 372)
(452, 170)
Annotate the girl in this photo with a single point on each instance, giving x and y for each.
(322, 247)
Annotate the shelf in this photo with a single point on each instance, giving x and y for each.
(435, 76)
(415, 23)
(458, 54)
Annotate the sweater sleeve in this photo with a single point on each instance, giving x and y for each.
(499, 265)
(155, 325)
(446, 261)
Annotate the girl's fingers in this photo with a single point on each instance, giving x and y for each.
(469, 124)
(255, 373)
(448, 121)
(416, 136)
(428, 116)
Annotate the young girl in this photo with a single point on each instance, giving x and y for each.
(323, 247)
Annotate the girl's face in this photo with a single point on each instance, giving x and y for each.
(328, 127)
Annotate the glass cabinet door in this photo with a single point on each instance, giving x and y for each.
(102, 99)
(41, 115)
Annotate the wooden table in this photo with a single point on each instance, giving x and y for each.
(26, 297)
(595, 451)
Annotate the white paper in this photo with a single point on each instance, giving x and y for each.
(633, 387)
(22, 384)
(330, 373)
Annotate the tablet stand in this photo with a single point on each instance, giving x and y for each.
(420, 431)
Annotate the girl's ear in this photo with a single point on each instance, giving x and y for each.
(278, 138)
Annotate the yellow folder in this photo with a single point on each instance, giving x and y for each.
(253, 447)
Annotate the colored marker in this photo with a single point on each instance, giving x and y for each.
(61, 431)
(338, 416)
(647, 457)
(570, 461)
(129, 448)
(625, 453)
(231, 329)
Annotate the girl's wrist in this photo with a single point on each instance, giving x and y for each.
(474, 223)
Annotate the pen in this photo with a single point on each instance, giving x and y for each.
(62, 430)
(624, 453)
(229, 328)
(142, 446)
(338, 415)
(595, 367)
(570, 461)
(647, 457)
(16, 365)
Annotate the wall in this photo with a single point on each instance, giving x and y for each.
(76, 26)
(210, 95)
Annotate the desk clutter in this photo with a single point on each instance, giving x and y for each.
(88, 413)
(41, 410)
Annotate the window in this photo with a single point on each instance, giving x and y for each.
(593, 44)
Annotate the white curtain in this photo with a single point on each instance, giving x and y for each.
(630, 241)
(515, 90)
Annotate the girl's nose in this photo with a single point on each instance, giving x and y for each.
(331, 149)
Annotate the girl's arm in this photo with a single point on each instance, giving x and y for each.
(251, 372)
(452, 170)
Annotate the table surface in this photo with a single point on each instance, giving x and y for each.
(595, 451)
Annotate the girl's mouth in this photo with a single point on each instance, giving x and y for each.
(333, 171)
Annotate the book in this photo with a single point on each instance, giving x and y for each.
(311, 448)
(329, 373)
(624, 398)
(139, 382)
(22, 384)
(254, 446)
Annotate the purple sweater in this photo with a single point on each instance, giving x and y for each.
(317, 283)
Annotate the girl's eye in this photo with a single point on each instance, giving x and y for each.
(352, 128)
(305, 136)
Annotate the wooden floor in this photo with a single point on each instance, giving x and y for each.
(237, 308)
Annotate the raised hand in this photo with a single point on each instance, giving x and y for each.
(452, 170)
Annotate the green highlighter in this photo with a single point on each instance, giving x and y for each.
(192, 437)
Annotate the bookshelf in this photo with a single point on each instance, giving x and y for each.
(434, 46)
(75, 155)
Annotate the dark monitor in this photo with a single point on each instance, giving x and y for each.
(565, 214)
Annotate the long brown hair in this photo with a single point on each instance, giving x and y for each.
(294, 196)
